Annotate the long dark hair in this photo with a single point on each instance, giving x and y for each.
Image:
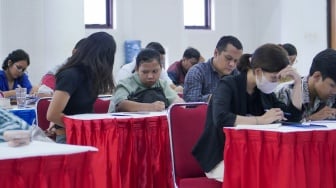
(96, 54)
(268, 57)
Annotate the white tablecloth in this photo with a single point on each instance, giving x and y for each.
(37, 148)
(117, 115)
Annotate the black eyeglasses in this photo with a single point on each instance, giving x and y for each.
(19, 68)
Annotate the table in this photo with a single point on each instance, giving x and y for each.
(43, 164)
(283, 157)
(133, 148)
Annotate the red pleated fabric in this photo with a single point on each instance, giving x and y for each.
(266, 159)
(133, 152)
(66, 171)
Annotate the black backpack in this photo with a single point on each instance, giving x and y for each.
(149, 95)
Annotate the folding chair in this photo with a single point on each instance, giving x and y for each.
(41, 112)
(186, 123)
(102, 104)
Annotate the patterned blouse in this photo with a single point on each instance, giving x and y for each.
(285, 92)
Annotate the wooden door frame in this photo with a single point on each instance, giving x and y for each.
(331, 25)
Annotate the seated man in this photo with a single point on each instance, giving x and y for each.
(292, 52)
(319, 88)
(144, 90)
(178, 70)
(202, 79)
(128, 69)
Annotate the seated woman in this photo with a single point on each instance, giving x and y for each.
(144, 91)
(13, 73)
(247, 98)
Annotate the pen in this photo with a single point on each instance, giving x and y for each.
(285, 113)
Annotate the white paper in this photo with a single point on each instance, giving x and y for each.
(265, 126)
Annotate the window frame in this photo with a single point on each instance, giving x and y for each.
(207, 17)
(108, 19)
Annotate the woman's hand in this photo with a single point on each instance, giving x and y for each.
(272, 115)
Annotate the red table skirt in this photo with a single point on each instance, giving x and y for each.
(59, 171)
(265, 159)
(133, 152)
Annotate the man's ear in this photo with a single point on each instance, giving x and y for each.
(9, 62)
(216, 52)
(317, 76)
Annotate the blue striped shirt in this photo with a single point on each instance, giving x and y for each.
(200, 82)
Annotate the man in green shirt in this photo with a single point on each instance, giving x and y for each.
(144, 91)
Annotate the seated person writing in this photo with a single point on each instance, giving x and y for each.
(144, 91)
(318, 88)
(127, 70)
(13, 74)
(246, 98)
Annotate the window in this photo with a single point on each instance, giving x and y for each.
(98, 13)
(197, 14)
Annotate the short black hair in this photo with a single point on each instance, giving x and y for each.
(191, 52)
(226, 40)
(147, 55)
(156, 46)
(290, 48)
(325, 62)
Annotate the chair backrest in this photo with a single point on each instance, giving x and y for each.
(102, 104)
(186, 123)
(41, 112)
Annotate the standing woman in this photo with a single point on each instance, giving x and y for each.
(247, 98)
(87, 73)
(13, 74)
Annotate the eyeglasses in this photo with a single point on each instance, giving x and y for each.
(19, 68)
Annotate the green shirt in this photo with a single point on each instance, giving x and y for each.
(131, 84)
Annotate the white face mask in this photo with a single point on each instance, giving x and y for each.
(266, 86)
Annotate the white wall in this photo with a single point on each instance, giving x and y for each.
(306, 27)
(48, 30)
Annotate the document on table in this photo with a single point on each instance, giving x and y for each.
(265, 126)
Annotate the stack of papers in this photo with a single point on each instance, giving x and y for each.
(266, 126)
(278, 125)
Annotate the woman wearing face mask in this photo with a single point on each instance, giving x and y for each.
(247, 98)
